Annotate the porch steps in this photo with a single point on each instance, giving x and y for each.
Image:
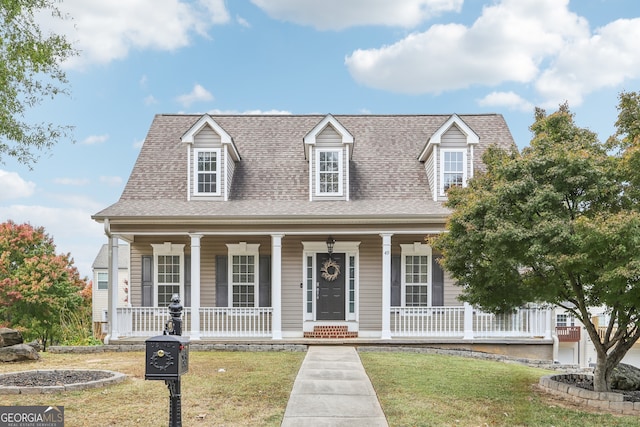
(327, 331)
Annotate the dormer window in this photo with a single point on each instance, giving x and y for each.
(453, 167)
(448, 157)
(328, 147)
(207, 175)
(212, 160)
(329, 167)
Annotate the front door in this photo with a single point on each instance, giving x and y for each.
(330, 293)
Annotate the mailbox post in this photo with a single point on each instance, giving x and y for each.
(167, 358)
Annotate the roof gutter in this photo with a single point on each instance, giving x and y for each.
(107, 227)
(257, 220)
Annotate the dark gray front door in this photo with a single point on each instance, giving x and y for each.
(330, 294)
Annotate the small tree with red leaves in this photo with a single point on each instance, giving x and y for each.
(37, 286)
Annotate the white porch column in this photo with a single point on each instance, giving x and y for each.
(276, 285)
(468, 321)
(386, 286)
(112, 298)
(195, 286)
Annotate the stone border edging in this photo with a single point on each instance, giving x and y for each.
(612, 402)
(192, 347)
(116, 377)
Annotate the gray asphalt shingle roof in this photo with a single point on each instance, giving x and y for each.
(272, 179)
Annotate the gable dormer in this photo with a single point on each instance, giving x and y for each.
(448, 156)
(328, 147)
(212, 158)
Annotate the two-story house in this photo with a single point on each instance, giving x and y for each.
(287, 227)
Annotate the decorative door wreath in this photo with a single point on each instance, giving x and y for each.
(330, 270)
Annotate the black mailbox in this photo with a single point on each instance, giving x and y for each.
(167, 357)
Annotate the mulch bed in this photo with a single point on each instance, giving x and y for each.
(51, 378)
(587, 384)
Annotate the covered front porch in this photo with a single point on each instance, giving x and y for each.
(377, 301)
(461, 323)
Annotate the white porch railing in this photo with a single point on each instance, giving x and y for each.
(444, 322)
(235, 322)
(214, 321)
(468, 323)
(427, 322)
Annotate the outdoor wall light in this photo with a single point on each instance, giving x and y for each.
(330, 242)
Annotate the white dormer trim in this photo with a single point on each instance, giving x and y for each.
(225, 138)
(310, 138)
(472, 137)
(328, 136)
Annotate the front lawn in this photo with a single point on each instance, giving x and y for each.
(221, 388)
(437, 390)
(252, 389)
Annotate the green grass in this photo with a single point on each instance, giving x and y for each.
(414, 390)
(253, 390)
(437, 390)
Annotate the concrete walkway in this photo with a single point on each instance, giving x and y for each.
(332, 389)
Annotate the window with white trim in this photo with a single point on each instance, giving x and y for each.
(329, 173)
(565, 319)
(454, 169)
(103, 280)
(243, 275)
(206, 171)
(169, 277)
(416, 275)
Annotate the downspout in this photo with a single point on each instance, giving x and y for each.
(554, 337)
(112, 295)
(556, 346)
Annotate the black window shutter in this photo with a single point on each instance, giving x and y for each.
(186, 300)
(222, 286)
(437, 282)
(147, 281)
(265, 281)
(396, 281)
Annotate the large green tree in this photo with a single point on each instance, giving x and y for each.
(558, 223)
(29, 73)
(38, 288)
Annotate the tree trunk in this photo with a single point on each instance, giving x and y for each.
(602, 374)
(606, 363)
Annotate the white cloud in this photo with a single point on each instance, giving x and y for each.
(606, 59)
(243, 22)
(198, 94)
(104, 31)
(540, 44)
(150, 100)
(72, 229)
(68, 200)
(507, 43)
(14, 187)
(95, 139)
(138, 143)
(71, 181)
(112, 181)
(510, 100)
(340, 14)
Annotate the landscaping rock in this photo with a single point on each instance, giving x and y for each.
(18, 353)
(9, 337)
(36, 345)
(625, 377)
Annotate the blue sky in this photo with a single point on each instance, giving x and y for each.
(139, 58)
